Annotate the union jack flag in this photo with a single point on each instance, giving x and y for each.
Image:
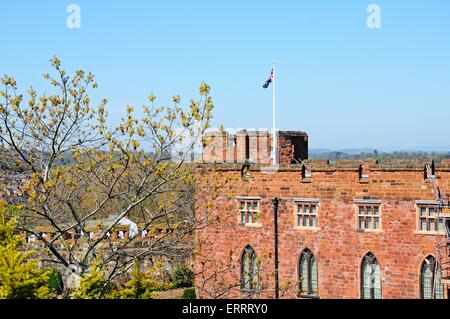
(267, 83)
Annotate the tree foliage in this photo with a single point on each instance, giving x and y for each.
(189, 293)
(81, 169)
(142, 285)
(20, 276)
(55, 281)
(93, 285)
(183, 277)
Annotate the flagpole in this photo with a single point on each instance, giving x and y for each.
(274, 146)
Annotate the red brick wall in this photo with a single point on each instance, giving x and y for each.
(337, 244)
(289, 141)
(225, 147)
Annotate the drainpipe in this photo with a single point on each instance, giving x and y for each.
(275, 202)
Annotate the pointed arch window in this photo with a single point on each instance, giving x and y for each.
(307, 274)
(428, 274)
(249, 269)
(370, 277)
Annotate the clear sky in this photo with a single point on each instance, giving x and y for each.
(343, 83)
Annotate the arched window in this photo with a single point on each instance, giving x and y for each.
(307, 274)
(370, 277)
(427, 271)
(249, 269)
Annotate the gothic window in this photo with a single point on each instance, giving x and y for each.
(370, 277)
(249, 269)
(427, 272)
(307, 274)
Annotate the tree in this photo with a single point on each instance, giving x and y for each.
(80, 171)
(20, 276)
(142, 285)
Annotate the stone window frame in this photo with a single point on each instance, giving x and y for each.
(307, 256)
(426, 261)
(439, 225)
(249, 259)
(365, 204)
(306, 202)
(255, 214)
(370, 260)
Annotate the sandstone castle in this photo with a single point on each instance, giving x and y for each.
(343, 229)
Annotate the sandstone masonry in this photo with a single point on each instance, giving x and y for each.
(399, 190)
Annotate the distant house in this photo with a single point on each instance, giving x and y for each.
(125, 227)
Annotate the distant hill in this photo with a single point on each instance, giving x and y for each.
(364, 154)
(348, 150)
(355, 150)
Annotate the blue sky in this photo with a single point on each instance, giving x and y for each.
(346, 85)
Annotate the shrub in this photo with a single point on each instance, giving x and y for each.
(55, 281)
(142, 285)
(189, 293)
(183, 277)
(93, 285)
(20, 276)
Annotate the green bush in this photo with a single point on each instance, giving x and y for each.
(189, 293)
(55, 281)
(20, 276)
(142, 285)
(93, 285)
(183, 277)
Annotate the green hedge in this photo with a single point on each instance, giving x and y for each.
(189, 293)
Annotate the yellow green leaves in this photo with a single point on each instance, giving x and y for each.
(32, 92)
(141, 131)
(55, 62)
(204, 89)
(134, 144)
(83, 165)
(16, 100)
(57, 173)
(176, 99)
(130, 109)
(9, 81)
(43, 100)
(93, 285)
(20, 276)
(143, 285)
(162, 167)
(86, 100)
(55, 100)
